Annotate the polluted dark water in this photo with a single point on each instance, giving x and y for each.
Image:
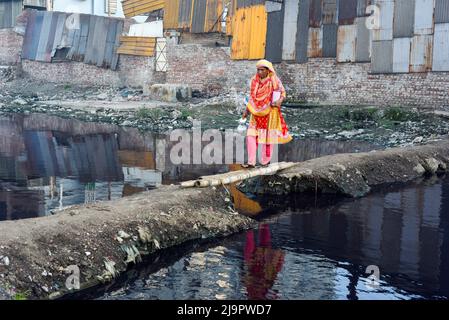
(392, 244)
(49, 163)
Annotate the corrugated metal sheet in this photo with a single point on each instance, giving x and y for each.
(249, 33)
(315, 43)
(421, 53)
(132, 8)
(248, 3)
(346, 43)
(404, 18)
(382, 57)
(363, 41)
(386, 11)
(424, 14)
(9, 10)
(315, 13)
(198, 16)
(361, 7)
(138, 46)
(171, 14)
(329, 15)
(290, 29)
(214, 13)
(48, 38)
(185, 13)
(401, 55)
(441, 47)
(330, 32)
(347, 12)
(302, 34)
(441, 11)
(275, 35)
(35, 3)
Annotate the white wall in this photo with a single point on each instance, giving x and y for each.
(85, 6)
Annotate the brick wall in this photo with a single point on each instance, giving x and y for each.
(321, 80)
(10, 47)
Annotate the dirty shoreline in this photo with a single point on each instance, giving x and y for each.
(104, 238)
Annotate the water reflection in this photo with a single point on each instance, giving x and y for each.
(301, 251)
(54, 163)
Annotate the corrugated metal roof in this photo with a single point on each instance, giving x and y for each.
(49, 36)
(441, 11)
(401, 55)
(421, 53)
(404, 18)
(249, 33)
(275, 35)
(290, 29)
(330, 32)
(315, 13)
(171, 14)
(361, 7)
(363, 41)
(382, 57)
(424, 15)
(132, 8)
(9, 10)
(198, 16)
(302, 34)
(386, 12)
(347, 12)
(441, 47)
(346, 43)
(329, 15)
(315, 43)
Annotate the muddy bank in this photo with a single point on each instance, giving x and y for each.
(102, 239)
(355, 175)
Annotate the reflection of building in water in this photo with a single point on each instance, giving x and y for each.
(403, 232)
(13, 206)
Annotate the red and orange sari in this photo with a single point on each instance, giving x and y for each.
(266, 122)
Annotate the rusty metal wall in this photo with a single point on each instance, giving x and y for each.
(329, 14)
(363, 41)
(171, 14)
(401, 55)
(48, 38)
(424, 17)
(9, 10)
(214, 12)
(315, 13)
(198, 16)
(185, 13)
(441, 11)
(302, 34)
(347, 12)
(421, 53)
(346, 43)
(404, 18)
(441, 47)
(330, 34)
(386, 13)
(275, 35)
(249, 33)
(290, 29)
(361, 7)
(315, 43)
(382, 57)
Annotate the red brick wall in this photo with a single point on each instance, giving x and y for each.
(10, 47)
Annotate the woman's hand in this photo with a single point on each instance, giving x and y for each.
(277, 103)
(245, 114)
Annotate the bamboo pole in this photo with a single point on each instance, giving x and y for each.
(236, 176)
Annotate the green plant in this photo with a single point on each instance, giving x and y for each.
(399, 114)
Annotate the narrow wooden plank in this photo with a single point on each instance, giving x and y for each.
(110, 42)
(90, 39)
(115, 57)
(84, 23)
(101, 41)
(58, 34)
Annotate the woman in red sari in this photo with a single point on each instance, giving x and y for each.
(267, 126)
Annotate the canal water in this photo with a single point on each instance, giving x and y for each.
(393, 244)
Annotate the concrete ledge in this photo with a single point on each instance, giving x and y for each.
(170, 92)
(354, 175)
(102, 239)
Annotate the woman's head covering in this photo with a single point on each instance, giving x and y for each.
(267, 64)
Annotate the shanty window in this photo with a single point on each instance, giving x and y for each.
(110, 6)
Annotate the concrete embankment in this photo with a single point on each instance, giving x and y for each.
(102, 239)
(355, 175)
